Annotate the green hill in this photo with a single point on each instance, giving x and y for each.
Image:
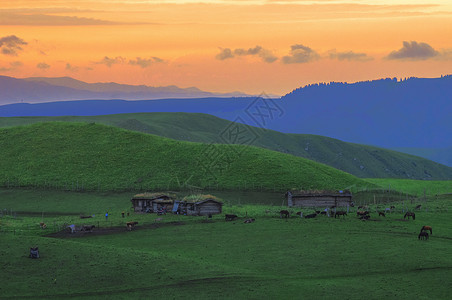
(360, 160)
(98, 157)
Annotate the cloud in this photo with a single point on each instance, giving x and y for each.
(413, 51)
(11, 45)
(18, 19)
(71, 68)
(16, 64)
(265, 54)
(224, 54)
(111, 61)
(300, 54)
(43, 66)
(144, 63)
(350, 55)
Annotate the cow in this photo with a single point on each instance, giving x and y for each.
(364, 217)
(382, 214)
(131, 225)
(418, 207)
(87, 228)
(423, 235)
(230, 217)
(249, 220)
(361, 213)
(284, 214)
(42, 225)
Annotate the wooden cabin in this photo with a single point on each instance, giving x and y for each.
(152, 202)
(200, 205)
(319, 198)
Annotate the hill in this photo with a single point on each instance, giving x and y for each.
(99, 157)
(359, 160)
(413, 113)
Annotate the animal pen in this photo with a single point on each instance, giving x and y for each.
(319, 198)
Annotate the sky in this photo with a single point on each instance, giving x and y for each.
(252, 46)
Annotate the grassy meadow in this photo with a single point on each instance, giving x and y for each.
(360, 160)
(175, 257)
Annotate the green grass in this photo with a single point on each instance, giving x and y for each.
(79, 156)
(414, 187)
(272, 258)
(359, 160)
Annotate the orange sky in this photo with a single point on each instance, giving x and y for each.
(250, 46)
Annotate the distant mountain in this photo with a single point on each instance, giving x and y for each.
(41, 89)
(359, 160)
(414, 113)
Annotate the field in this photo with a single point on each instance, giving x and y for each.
(175, 257)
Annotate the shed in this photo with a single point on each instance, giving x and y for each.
(319, 198)
(152, 202)
(200, 205)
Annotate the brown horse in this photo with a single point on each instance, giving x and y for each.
(427, 228)
(410, 214)
(284, 214)
(423, 235)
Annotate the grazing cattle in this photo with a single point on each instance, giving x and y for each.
(382, 214)
(423, 235)
(418, 207)
(42, 225)
(410, 214)
(87, 228)
(131, 225)
(340, 213)
(311, 216)
(284, 214)
(230, 217)
(427, 228)
(34, 252)
(249, 220)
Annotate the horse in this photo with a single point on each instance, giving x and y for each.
(410, 214)
(311, 216)
(284, 214)
(418, 207)
(380, 213)
(340, 213)
(360, 213)
(423, 235)
(230, 217)
(427, 228)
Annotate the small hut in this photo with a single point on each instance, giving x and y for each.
(152, 202)
(319, 198)
(200, 205)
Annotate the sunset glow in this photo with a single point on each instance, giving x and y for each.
(222, 46)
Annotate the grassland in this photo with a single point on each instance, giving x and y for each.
(180, 257)
(359, 160)
(80, 156)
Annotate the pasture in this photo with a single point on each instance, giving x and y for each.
(179, 257)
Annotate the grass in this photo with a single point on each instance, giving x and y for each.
(79, 156)
(190, 258)
(415, 187)
(359, 160)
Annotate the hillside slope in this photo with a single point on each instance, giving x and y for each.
(359, 160)
(99, 157)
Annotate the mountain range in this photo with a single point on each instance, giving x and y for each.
(42, 89)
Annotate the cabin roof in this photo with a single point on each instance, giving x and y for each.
(151, 196)
(320, 193)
